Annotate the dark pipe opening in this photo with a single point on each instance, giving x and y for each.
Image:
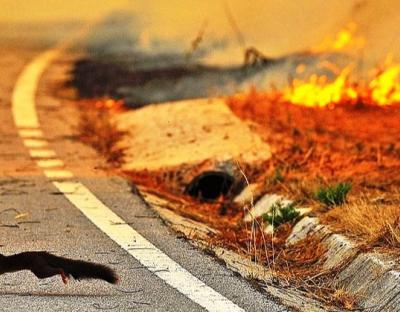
(210, 185)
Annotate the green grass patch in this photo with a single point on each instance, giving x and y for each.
(281, 213)
(333, 195)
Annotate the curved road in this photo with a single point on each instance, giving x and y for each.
(56, 197)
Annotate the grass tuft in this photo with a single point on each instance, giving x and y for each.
(281, 213)
(333, 195)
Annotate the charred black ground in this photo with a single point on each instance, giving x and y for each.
(140, 83)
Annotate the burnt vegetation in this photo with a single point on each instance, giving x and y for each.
(97, 129)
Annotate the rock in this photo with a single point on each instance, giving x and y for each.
(187, 132)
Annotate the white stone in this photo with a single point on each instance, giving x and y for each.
(264, 205)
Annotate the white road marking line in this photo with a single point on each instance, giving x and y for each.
(35, 143)
(24, 112)
(50, 163)
(30, 133)
(57, 173)
(42, 153)
(25, 91)
(145, 252)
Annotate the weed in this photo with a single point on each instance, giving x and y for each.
(281, 213)
(333, 195)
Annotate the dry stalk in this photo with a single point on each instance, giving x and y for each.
(255, 224)
(195, 43)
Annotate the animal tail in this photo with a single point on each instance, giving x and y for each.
(79, 269)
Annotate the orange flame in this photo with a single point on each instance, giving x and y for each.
(109, 104)
(383, 89)
(318, 92)
(345, 38)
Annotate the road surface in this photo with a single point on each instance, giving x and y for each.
(38, 211)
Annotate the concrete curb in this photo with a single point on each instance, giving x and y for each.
(372, 277)
(339, 248)
(369, 276)
(195, 232)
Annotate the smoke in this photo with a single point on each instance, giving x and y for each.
(275, 27)
(379, 23)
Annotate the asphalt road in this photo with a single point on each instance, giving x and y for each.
(34, 215)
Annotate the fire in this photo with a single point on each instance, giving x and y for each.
(385, 88)
(344, 39)
(109, 104)
(317, 91)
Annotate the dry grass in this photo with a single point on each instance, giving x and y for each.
(310, 144)
(376, 224)
(313, 150)
(300, 266)
(97, 128)
(343, 299)
(297, 266)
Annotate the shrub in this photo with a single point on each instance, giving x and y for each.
(281, 213)
(333, 195)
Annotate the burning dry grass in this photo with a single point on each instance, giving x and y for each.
(97, 129)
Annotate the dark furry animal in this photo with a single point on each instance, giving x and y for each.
(44, 264)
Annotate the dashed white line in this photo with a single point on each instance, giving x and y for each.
(30, 133)
(24, 112)
(42, 153)
(33, 143)
(58, 173)
(50, 163)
